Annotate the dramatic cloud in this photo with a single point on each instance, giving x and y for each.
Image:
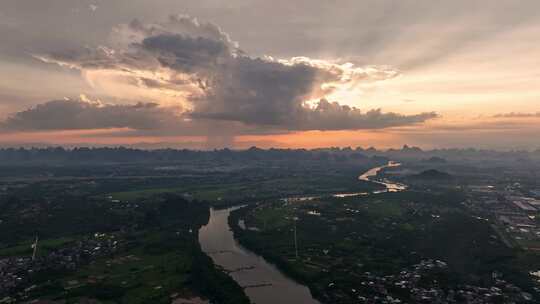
(124, 120)
(216, 80)
(86, 114)
(333, 116)
(466, 60)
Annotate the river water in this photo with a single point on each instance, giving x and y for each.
(262, 281)
(265, 283)
(389, 185)
(369, 176)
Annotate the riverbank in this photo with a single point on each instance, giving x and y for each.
(290, 264)
(263, 283)
(387, 246)
(383, 248)
(152, 257)
(285, 267)
(223, 239)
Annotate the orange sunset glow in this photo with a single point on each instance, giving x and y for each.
(367, 73)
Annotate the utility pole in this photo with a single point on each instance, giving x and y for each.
(35, 246)
(295, 239)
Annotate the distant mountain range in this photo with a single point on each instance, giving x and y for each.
(128, 154)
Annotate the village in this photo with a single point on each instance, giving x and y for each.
(19, 275)
(515, 215)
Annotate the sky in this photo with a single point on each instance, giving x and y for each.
(290, 74)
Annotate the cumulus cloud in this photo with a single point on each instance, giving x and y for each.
(333, 116)
(86, 114)
(221, 83)
(131, 120)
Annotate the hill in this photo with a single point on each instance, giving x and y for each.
(432, 175)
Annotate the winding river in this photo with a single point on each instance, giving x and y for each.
(389, 185)
(262, 281)
(369, 176)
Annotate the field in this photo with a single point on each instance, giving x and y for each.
(340, 240)
(45, 246)
(150, 255)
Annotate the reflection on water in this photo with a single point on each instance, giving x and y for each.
(372, 173)
(390, 186)
(264, 283)
(367, 176)
(342, 195)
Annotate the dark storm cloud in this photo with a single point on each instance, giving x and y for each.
(180, 23)
(80, 114)
(255, 91)
(186, 54)
(232, 86)
(142, 119)
(333, 116)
